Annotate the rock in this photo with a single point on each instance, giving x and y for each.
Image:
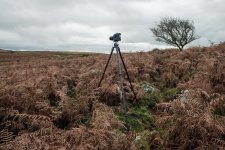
(185, 96)
(137, 138)
(148, 87)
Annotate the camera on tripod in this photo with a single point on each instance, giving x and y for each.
(116, 37)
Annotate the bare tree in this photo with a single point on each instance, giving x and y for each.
(174, 31)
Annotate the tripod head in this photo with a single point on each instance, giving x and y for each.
(116, 44)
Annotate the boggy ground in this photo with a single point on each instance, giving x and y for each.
(50, 100)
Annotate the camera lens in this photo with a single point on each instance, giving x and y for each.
(111, 38)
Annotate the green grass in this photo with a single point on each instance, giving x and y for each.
(151, 99)
(143, 142)
(73, 95)
(169, 94)
(86, 119)
(219, 111)
(138, 118)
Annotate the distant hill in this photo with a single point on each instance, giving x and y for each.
(5, 51)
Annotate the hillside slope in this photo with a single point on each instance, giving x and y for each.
(51, 100)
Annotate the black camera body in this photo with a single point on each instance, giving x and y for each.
(116, 37)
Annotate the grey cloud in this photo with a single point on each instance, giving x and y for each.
(87, 24)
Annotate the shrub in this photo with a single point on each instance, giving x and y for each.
(169, 94)
(151, 99)
(138, 118)
(219, 111)
(72, 94)
(143, 140)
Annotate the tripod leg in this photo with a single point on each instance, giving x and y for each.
(131, 86)
(99, 84)
(121, 87)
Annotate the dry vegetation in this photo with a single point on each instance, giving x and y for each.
(51, 101)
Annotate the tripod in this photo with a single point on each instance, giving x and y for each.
(122, 94)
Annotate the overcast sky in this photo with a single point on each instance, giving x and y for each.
(87, 24)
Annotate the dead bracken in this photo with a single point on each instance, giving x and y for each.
(51, 100)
